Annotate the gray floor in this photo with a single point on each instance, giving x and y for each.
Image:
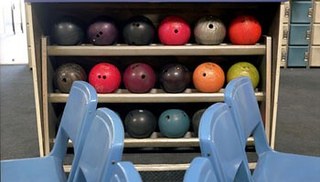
(17, 111)
(298, 123)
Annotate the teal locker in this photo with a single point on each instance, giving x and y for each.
(301, 12)
(298, 56)
(299, 34)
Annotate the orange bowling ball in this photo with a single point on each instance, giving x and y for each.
(208, 77)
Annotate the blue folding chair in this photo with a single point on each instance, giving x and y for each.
(220, 143)
(102, 152)
(271, 165)
(77, 116)
(125, 172)
(200, 170)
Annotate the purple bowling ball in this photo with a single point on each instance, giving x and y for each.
(139, 78)
(103, 32)
(174, 78)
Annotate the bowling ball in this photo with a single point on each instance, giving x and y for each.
(140, 123)
(209, 30)
(244, 30)
(174, 78)
(65, 74)
(174, 30)
(139, 78)
(196, 120)
(103, 31)
(174, 123)
(208, 77)
(244, 69)
(139, 30)
(105, 77)
(67, 31)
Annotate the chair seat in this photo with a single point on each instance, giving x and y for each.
(200, 170)
(33, 169)
(278, 166)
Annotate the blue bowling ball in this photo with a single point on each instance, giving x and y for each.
(174, 123)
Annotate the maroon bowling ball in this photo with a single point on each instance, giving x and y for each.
(140, 123)
(139, 78)
(209, 30)
(103, 31)
(66, 74)
(139, 30)
(174, 30)
(174, 78)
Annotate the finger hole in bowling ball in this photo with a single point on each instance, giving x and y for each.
(204, 74)
(135, 66)
(137, 24)
(176, 30)
(143, 76)
(99, 76)
(100, 33)
(104, 77)
(64, 79)
(167, 117)
(210, 26)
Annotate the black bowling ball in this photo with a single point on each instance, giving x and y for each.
(196, 120)
(174, 78)
(139, 30)
(67, 31)
(140, 123)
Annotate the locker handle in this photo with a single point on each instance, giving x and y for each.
(308, 34)
(285, 34)
(286, 12)
(306, 56)
(310, 13)
(283, 56)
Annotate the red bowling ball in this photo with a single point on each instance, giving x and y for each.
(139, 78)
(245, 30)
(105, 77)
(174, 30)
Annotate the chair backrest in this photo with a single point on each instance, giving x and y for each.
(240, 97)
(125, 172)
(200, 170)
(220, 142)
(76, 119)
(102, 149)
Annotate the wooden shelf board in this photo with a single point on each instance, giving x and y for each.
(156, 50)
(161, 167)
(156, 140)
(155, 96)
